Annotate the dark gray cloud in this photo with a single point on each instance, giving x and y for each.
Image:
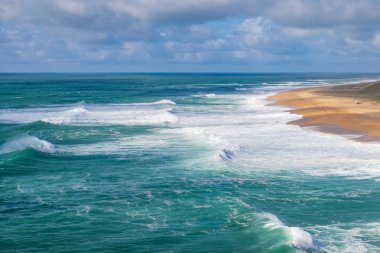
(148, 34)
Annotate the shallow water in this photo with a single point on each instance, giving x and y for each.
(178, 163)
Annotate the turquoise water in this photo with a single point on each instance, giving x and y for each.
(178, 163)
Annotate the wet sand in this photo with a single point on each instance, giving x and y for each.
(351, 110)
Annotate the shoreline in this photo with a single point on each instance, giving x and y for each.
(350, 110)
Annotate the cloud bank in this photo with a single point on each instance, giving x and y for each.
(193, 35)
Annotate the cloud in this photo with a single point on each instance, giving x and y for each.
(300, 33)
(300, 13)
(256, 31)
(376, 41)
(325, 13)
(181, 33)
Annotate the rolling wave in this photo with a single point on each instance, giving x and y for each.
(67, 117)
(158, 112)
(226, 149)
(25, 141)
(297, 237)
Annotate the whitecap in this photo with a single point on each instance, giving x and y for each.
(164, 101)
(27, 141)
(226, 149)
(298, 238)
(350, 238)
(158, 112)
(210, 95)
(67, 117)
(158, 102)
(119, 146)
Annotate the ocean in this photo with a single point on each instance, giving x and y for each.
(178, 163)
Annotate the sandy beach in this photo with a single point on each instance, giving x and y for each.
(351, 110)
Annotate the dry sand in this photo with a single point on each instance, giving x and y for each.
(344, 109)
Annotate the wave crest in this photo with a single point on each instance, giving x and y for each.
(210, 95)
(27, 141)
(67, 117)
(158, 112)
(164, 102)
(298, 238)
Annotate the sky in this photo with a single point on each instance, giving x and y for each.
(189, 35)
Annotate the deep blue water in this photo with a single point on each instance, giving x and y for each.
(178, 163)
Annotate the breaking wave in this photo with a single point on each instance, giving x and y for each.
(67, 117)
(163, 102)
(297, 237)
(158, 112)
(27, 141)
(211, 95)
(226, 149)
(349, 237)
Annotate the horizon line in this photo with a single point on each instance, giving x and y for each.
(188, 72)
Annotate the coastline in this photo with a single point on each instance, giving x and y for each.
(351, 110)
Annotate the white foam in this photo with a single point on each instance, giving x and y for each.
(225, 150)
(19, 189)
(268, 143)
(348, 238)
(26, 141)
(282, 86)
(158, 112)
(257, 136)
(67, 117)
(124, 145)
(210, 95)
(298, 237)
(160, 102)
(115, 115)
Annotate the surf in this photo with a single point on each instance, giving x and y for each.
(152, 113)
(295, 236)
(25, 141)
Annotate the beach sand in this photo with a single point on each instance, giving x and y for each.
(351, 110)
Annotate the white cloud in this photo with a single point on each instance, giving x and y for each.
(213, 32)
(8, 11)
(376, 41)
(190, 56)
(96, 55)
(216, 43)
(300, 33)
(240, 54)
(72, 7)
(255, 31)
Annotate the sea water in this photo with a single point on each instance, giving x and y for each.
(178, 163)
